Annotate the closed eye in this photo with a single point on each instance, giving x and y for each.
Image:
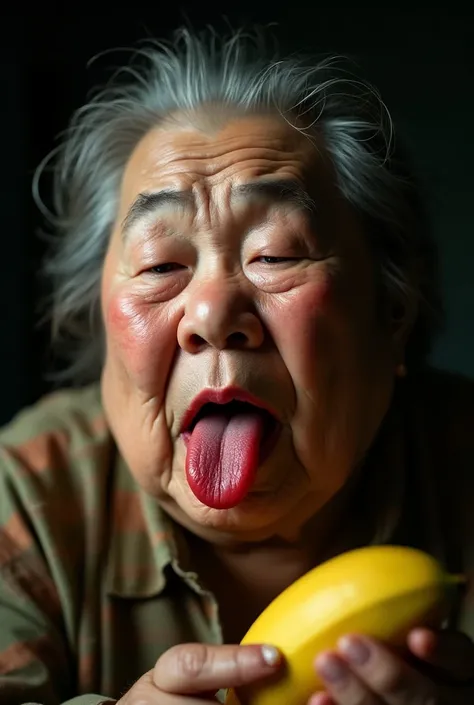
(276, 260)
(165, 268)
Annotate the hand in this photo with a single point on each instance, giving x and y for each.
(364, 672)
(188, 674)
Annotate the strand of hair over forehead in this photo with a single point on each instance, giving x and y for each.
(183, 75)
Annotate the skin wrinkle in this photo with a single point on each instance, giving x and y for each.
(269, 147)
(315, 351)
(147, 206)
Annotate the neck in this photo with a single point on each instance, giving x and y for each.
(333, 528)
(252, 573)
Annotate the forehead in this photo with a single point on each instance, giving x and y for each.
(189, 158)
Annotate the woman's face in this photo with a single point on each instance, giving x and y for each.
(218, 279)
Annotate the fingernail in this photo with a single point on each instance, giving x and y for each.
(355, 650)
(331, 668)
(271, 655)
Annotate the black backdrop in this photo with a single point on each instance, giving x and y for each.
(421, 58)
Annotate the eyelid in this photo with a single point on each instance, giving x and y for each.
(280, 258)
(175, 266)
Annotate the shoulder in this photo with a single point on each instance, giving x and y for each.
(63, 411)
(59, 448)
(58, 428)
(55, 463)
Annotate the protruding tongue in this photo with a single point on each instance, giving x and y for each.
(223, 455)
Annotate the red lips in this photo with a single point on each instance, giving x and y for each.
(221, 396)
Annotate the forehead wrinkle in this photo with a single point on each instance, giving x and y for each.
(213, 200)
(190, 151)
(188, 161)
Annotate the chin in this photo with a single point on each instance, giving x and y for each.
(256, 518)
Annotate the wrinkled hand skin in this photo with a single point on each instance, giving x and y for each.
(440, 671)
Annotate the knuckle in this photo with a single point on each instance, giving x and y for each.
(192, 661)
(241, 665)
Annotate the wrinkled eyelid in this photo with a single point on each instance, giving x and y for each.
(168, 267)
(280, 258)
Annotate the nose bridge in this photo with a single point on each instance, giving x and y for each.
(216, 298)
(218, 312)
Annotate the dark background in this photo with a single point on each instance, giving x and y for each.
(422, 59)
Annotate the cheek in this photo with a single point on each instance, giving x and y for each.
(320, 329)
(142, 336)
(298, 320)
(323, 294)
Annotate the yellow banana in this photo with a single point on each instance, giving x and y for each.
(379, 591)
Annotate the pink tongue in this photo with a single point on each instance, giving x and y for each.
(222, 457)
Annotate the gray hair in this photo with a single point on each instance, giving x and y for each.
(182, 76)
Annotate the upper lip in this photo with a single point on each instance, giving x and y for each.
(221, 396)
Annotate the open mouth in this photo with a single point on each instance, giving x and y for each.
(271, 425)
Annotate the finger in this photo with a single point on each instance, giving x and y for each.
(384, 673)
(343, 685)
(321, 699)
(198, 668)
(451, 652)
(144, 691)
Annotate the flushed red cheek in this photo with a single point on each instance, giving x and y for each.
(309, 328)
(312, 303)
(142, 336)
(324, 293)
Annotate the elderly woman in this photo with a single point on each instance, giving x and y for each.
(247, 286)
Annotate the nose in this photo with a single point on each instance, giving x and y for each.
(219, 314)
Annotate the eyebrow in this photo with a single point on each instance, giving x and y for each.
(147, 203)
(279, 191)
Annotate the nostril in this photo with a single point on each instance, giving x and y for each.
(238, 339)
(196, 341)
